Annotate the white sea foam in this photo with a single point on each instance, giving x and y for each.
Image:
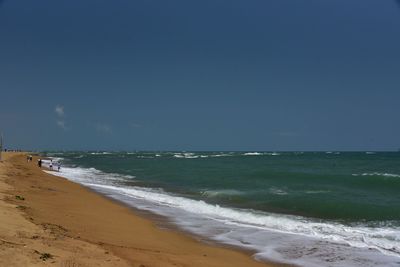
(101, 153)
(252, 154)
(261, 154)
(377, 174)
(88, 175)
(284, 238)
(186, 156)
(220, 155)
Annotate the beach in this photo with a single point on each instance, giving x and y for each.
(200, 133)
(50, 221)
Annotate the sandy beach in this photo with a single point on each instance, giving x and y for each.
(50, 221)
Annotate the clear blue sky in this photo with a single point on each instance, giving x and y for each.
(200, 75)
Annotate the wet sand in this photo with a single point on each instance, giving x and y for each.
(50, 221)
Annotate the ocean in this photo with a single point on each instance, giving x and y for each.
(301, 208)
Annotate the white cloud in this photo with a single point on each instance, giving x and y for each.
(61, 124)
(59, 111)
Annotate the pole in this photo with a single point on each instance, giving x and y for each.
(1, 144)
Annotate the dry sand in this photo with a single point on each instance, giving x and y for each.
(78, 227)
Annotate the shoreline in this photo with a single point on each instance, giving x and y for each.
(66, 213)
(164, 223)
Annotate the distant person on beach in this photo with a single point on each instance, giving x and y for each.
(58, 166)
(51, 165)
(39, 163)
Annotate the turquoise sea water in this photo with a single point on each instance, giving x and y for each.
(343, 199)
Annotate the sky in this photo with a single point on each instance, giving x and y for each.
(250, 75)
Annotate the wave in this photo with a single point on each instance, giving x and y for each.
(252, 154)
(194, 156)
(89, 175)
(185, 155)
(378, 174)
(100, 153)
(220, 155)
(277, 191)
(260, 154)
(180, 155)
(225, 192)
(333, 152)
